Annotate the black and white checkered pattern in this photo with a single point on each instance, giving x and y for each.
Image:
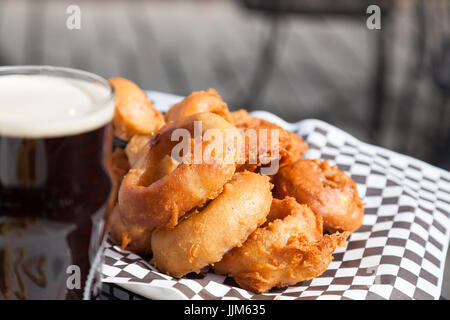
(398, 253)
(111, 291)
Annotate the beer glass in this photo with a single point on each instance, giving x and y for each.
(54, 139)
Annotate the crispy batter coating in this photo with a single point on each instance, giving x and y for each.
(289, 249)
(151, 199)
(309, 225)
(208, 233)
(325, 189)
(117, 166)
(197, 102)
(134, 113)
(241, 117)
(137, 148)
(290, 147)
(129, 237)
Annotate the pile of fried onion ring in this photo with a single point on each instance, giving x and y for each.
(265, 230)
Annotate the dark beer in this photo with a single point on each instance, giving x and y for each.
(53, 184)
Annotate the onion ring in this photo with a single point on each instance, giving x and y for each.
(284, 251)
(325, 189)
(289, 148)
(150, 199)
(117, 167)
(134, 112)
(129, 237)
(198, 102)
(208, 233)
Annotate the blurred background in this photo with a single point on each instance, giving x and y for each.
(296, 58)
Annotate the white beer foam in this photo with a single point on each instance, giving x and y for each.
(39, 106)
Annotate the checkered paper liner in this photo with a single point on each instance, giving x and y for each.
(398, 253)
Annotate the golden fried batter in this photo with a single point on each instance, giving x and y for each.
(205, 235)
(117, 166)
(134, 113)
(129, 237)
(197, 102)
(289, 249)
(325, 189)
(137, 148)
(151, 199)
(290, 146)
